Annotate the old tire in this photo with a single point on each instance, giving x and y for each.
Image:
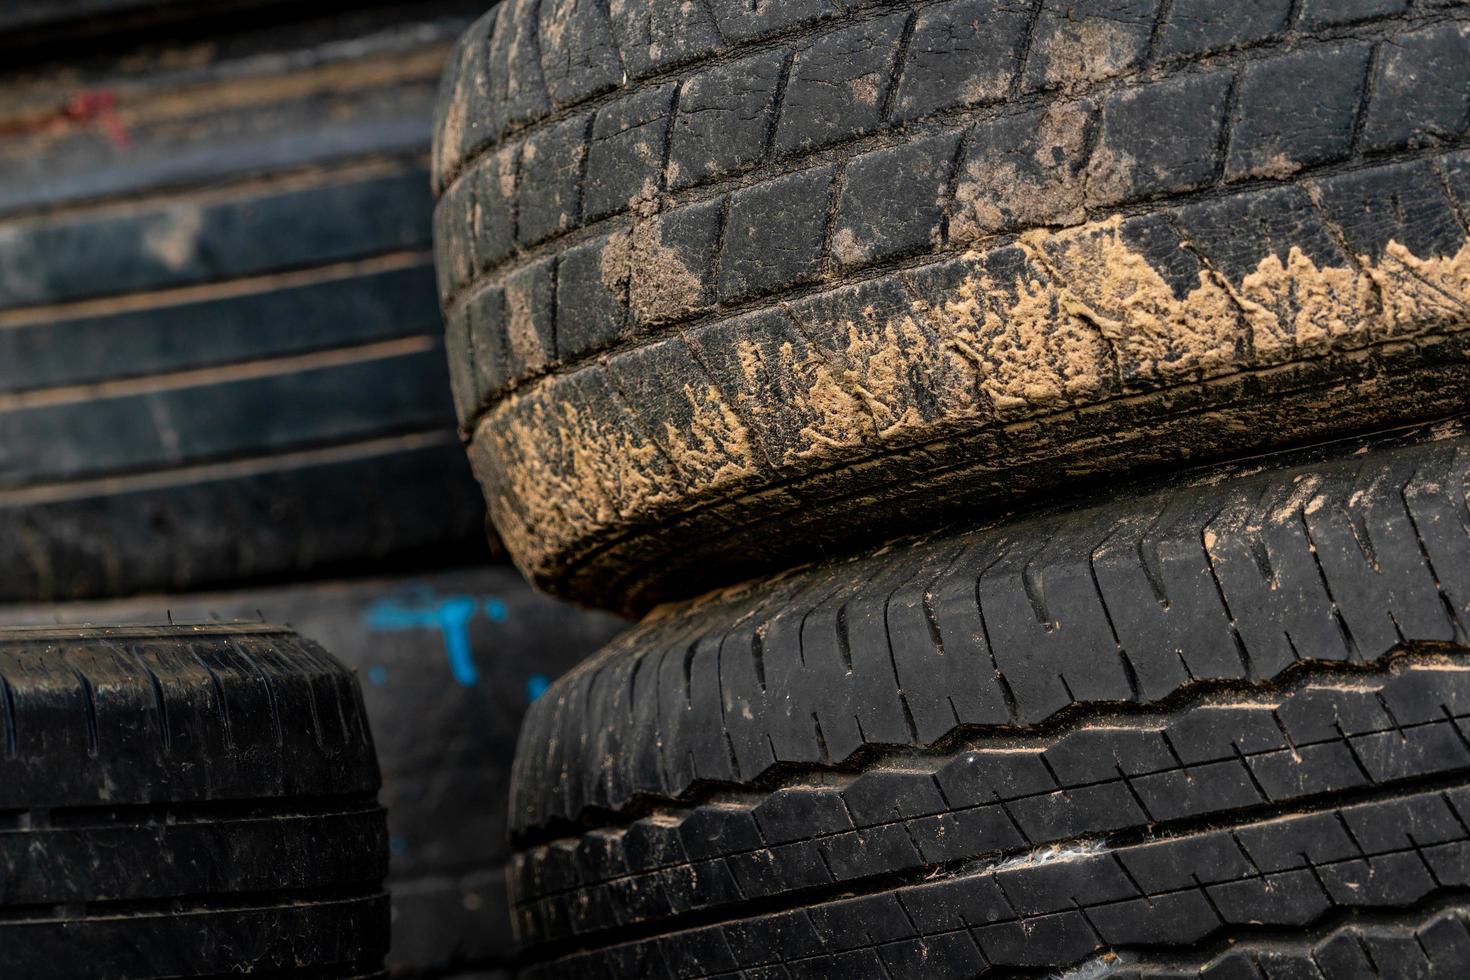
(220, 350)
(192, 801)
(448, 663)
(713, 269)
(1170, 734)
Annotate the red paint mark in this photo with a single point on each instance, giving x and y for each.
(98, 105)
(85, 108)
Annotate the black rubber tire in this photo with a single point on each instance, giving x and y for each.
(714, 269)
(1155, 731)
(190, 801)
(220, 350)
(445, 734)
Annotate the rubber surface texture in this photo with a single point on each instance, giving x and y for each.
(1172, 730)
(220, 352)
(448, 663)
(716, 268)
(186, 802)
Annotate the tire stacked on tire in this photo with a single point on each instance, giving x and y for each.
(223, 397)
(1037, 430)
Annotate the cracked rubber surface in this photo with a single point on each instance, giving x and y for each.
(189, 801)
(711, 269)
(221, 356)
(1172, 729)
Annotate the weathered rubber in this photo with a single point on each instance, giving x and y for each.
(712, 269)
(220, 352)
(448, 663)
(191, 801)
(1141, 730)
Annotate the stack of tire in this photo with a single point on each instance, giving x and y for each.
(1037, 431)
(223, 397)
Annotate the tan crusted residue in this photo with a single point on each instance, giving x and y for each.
(505, 175)
(1277, 167)
(1079, 317)
(1153, 333)
(870, 382)
(1087, 49)
(520, 329)
(553, 470)
(991, 196)
(845, 247)
(1028, 354)
(1295, 306)
(450, 138)
(660, 285)
(1416, 291)
(714, 447)
(865, 88)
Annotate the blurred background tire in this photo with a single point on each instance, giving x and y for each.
(186, 802)
(223, 392)
(448, 663)
(220, 353)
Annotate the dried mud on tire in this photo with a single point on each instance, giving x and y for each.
(712, 270)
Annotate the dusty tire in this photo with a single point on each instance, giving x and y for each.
(448, 663)
(714, 269)
(1181, 728)
(220, 351)
(186, 802)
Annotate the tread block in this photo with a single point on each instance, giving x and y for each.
(838, 86)
(1023, 169)
(669, 262)
(775, 234)
(964, 52)
(1159, 139)
(1296, 111)
(494, 184)
(892, 202)
(1420, 92)
(626, 151)
(601, 314)
(724, 119)
(550, 190)
(517, 91)
(656, 36)
(454, 255)
(1075, 43)
(530, 325)
(579, 58)
(485, 316)
(1199, 26)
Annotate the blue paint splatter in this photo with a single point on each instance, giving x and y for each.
(450, 615)
(536, 686)
(378, 675)
(398, 845)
